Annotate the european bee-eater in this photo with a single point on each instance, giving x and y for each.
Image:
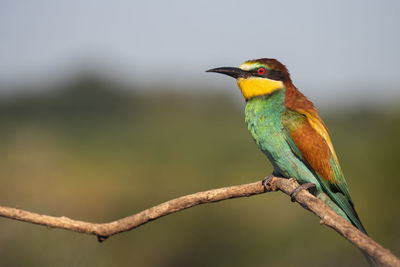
(287, 128)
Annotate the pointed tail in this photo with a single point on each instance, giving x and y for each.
(344, 208)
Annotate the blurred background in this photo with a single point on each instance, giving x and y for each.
(105, 110)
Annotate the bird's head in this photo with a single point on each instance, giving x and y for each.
(258, 77)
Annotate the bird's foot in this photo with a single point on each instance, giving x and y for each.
(267, 180)
(299, 188)
(101, 238)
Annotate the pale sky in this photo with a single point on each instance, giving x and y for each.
(332, 48)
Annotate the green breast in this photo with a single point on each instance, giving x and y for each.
(263, 116)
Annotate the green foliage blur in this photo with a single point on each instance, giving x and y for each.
(97, 151)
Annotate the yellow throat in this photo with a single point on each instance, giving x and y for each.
(252, 87)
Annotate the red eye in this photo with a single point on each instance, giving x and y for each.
(261, 71)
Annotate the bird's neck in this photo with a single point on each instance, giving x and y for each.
(295, 100)
(267, 106)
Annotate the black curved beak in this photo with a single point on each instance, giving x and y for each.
(233, 72)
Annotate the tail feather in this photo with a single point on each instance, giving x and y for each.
(346, 209)
(371, 261)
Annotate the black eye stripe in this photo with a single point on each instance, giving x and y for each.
(270, 74)
(276, 75)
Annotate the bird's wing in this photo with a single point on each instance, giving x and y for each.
(309, 139)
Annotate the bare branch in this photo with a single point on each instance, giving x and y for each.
(304, 198)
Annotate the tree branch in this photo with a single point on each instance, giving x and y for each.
(304, 198)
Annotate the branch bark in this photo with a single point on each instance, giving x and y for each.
(304, 198)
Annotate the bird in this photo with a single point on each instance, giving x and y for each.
(287, 128)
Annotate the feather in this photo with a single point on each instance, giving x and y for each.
(314, 150)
